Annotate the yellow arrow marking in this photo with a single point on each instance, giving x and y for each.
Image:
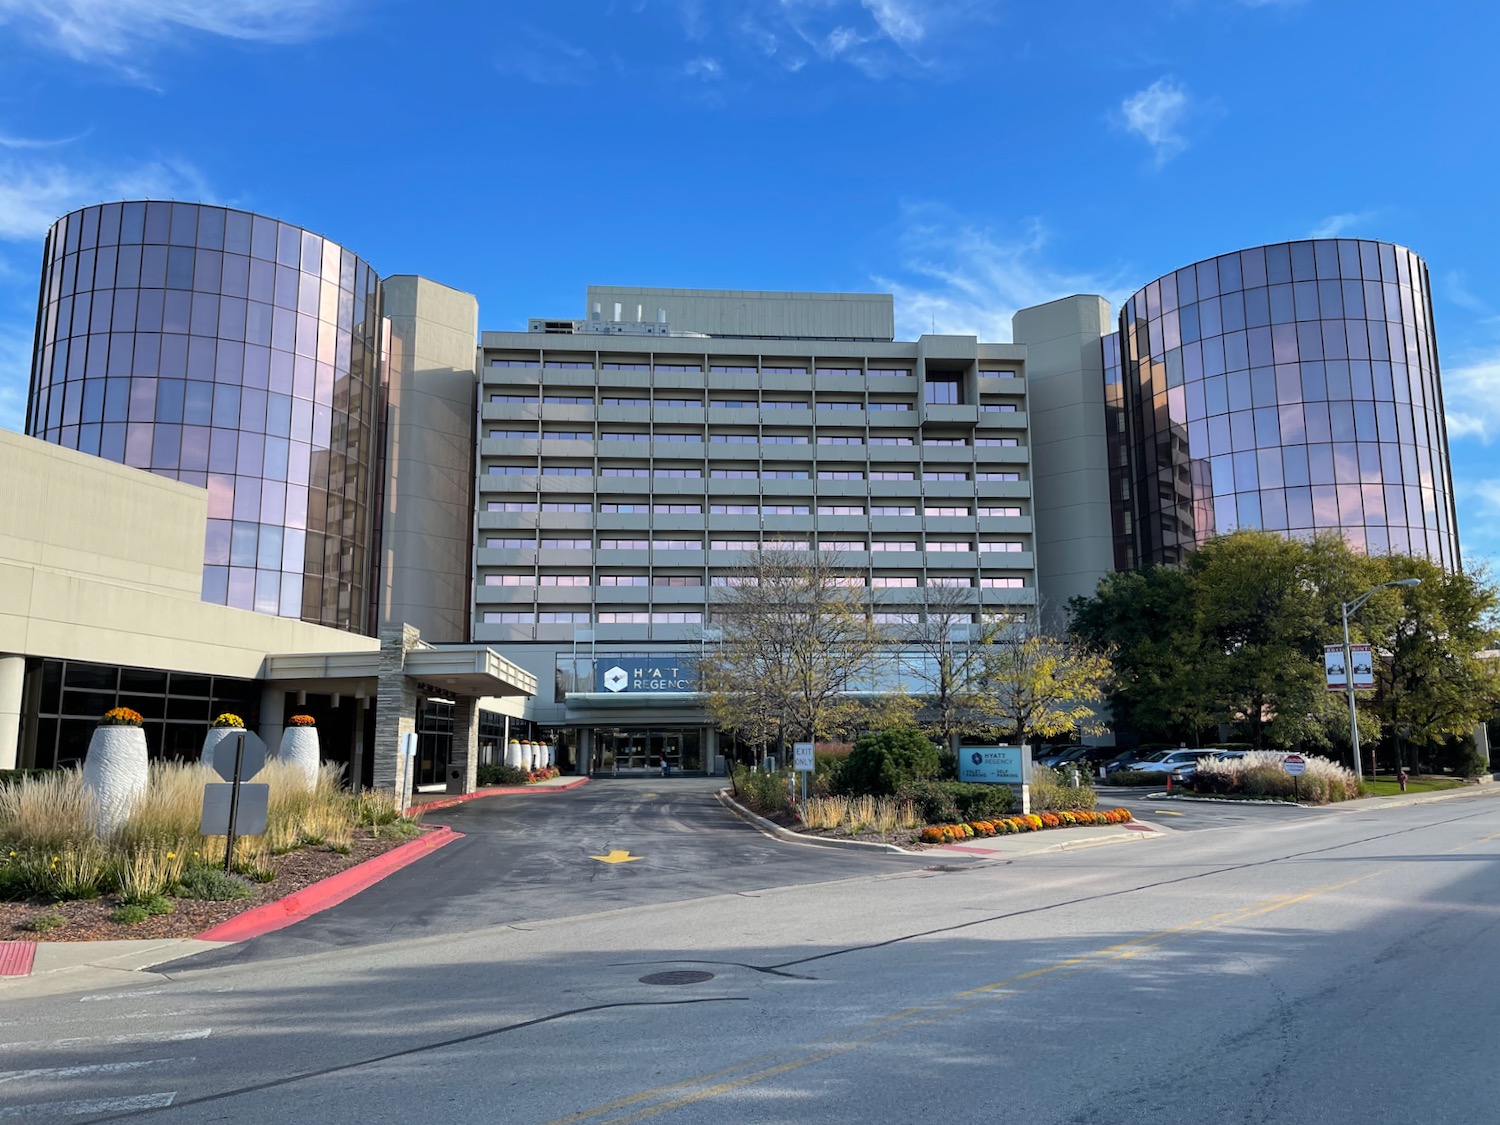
(1164, 812)
(617, 856)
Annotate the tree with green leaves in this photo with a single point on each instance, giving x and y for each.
(790, 642)
(1042, 684)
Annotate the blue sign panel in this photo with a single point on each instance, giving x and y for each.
(667, 672)
(994, 765)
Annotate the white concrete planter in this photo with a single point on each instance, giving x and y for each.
(114, 776)
(513, 754)
(212, 739)
(299, 748)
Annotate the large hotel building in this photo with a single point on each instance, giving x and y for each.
(260, 477)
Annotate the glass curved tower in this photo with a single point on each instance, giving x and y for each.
(1291, 387)
(237, 353)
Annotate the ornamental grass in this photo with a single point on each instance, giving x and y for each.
(1262, 774)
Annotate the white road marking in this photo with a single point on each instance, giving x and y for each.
(150, 992)
(97, 1068)
(98, 1017)
(93, 1105)
(102, 1040)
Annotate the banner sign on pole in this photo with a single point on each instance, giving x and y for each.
(1363, 658)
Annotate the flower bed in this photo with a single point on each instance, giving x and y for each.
(1011, 825)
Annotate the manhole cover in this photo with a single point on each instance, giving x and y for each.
(677, 976)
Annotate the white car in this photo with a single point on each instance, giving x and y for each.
(1181, 764)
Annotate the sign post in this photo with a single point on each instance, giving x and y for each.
(998, 765)
(1295, 764)
(804, 761)
(235, 809)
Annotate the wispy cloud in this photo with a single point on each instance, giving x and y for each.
(33, 194)
(1471, 396)
(1335, 225)
(546, 59)
(965, 279)
(9, 141)
(1158, 115)
(705, 68)
(114, 31)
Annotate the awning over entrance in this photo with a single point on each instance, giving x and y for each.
(646, 699)
(470, 670)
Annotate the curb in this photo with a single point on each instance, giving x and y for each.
(327, 892)
(494, 791)
(773, 829)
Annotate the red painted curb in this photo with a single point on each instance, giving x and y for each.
(326, 892)
(497, 791)
(16, 958)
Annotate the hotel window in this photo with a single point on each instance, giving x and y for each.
(509, 617)
(783, 404)
(676, 473)
(566, 506)
(626, 472)
(669, 436)
(615, 400)
(624, 580)
(618, 435)
(730, 369)
(894, 581)
(679, 367)
(886, 618)
(784, 509)
(510, 506)
(552, 544)
(838, 371)
(677, 544)
(562, 617)
(936, 581)
(1004, 442)
(890, 371)
(515, 362)
(679, 403)
(1006, 510)
(735, 439)
(733, 404)
(509, 580)
(998, 374)
(567, 400)
(841, 510)
(522, 434)
(1007, 545)
(734, 509)
(839, 404)
(511, 470)
(890, 441)
(783, 474)
(625, 509)
(893, 545)
(567, 435)
(944, 441)
(570, 364)
(787, 545)
(891, 474)
(734, 544)
(948, 546)
(934, 474)
(1002, 583)
(677, 617)
(612, 366)
(563, 580)
(783, 439)
(890, 406)
(945, 511)
(841, 544)
(892, 510)
(513, 398)
(623, 544)
(997, 476)
(734, 474)
(840, 474)
(784, 370)
(943, 389)
(624, 616)
(567, 471)
(677, 580)
(1000, 407)
(677, 509)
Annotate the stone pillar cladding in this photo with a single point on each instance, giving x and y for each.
(1294, 388)
(272, 708)
(239, 354)
(395, 708)
(12, 679)
(463, 758)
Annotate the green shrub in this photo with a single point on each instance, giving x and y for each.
(502, 775)
(884, 761)
(947, 802)
(828, 774)
(42, 923)
(1267, 781)
(211, 884)
(1136, 777)
(1062, 798)
(766, 793)
(131, 914)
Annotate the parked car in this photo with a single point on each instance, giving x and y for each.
(1060, 754)
(1181, 764)
(1134, 761)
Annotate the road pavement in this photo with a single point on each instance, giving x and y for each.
(1295, 970)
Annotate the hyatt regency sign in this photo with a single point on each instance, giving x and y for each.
(646, 673)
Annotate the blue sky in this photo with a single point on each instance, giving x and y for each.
(970, 157)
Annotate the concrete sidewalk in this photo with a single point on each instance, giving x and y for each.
(76, 966)
(1486, 787)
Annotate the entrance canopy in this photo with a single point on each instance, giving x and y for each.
(467, 670)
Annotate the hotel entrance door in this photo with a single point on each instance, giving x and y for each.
(642, 751)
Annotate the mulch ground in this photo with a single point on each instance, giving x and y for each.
(89, 920)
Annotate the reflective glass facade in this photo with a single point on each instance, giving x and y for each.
(237, 353)
(1291, 387)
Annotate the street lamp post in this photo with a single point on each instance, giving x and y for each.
(1345, 610)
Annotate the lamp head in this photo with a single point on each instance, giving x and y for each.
(1407, 582)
